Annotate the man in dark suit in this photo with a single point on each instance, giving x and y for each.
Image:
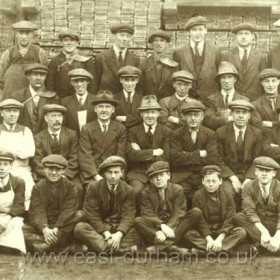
(215, 232)
(248, 62)
(79, 108)
(110, 61)
(158, 68)
(192, 147)
(199, 57)
(273, 56)
(147, 142)
(101, 138)
(67, 60)
(109, 212)
(129, 98)
(261, 206)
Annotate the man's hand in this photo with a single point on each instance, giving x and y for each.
(50, 236)
(168, 231)
(218, 243)
(121, 118)
(209, 243)
(107, 235)
(135, 146)
(265, 238)
(158, 152)
(173, 119)
(115, 240)
(98, 177)
(235, 183)
(267, 124)
(274, 244)
(160, 237)
(203, 153)
(274, 145)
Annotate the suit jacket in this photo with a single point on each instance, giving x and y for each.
(140, 160)
(96, 206)
(272, 136)
(94, 147)
(133, 118)
(68, 204)
(175, 200)
(72, 105)
(227, 210)
(248, 84)
(105, 70)
(68, 149)
(205, 82)
(227, 149)
(273, 57)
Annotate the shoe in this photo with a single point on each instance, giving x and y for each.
(41, 248)
(182, 252)
(74, 248)
(132, 249)
(198, 252)
(152, 249)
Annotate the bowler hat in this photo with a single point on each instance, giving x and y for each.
(104, 96)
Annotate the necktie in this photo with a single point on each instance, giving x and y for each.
(226, 100)
(196, 52)
(162, 193)
(265, 192)
(104, 126)
(112, 195)
(245, 59)
(149, 136)
(54, 135)
(81, 101)
(273, 103)
(240, 147)
(120, 57)
(11, 128)
(128, 103)
(193, 136)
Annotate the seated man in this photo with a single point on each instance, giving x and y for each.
(261, 206)
(147, 142)
(109, 209)
(53, 209)
(163, 208)
(192, 147)
(11, 205)
(215, 231)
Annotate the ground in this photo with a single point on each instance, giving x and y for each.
(89, 268)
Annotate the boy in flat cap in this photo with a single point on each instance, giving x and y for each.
(53, 209)
(109, 209)
(192, 147)
(79, 108)
(261, 206)
(16, 58)
(158, 68)
(129, 98)
(248, 61)
(68, 59)
(199, 57)
(147, 142)
(108, 62)
(19, 140)
(215, 232)
(163, 208)
(100, 138)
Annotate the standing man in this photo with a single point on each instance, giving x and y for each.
(69, 59)
(248, 62)
(199, 57)
(14, 60)
(273, 57)
(110, 61)
(158, 68)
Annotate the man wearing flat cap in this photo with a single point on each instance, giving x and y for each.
(109, 209)
(19, 140)
(158, 68)
(215, 232)
(129, 98)
(108, 62)
(261, 206)
(100, 138)
(273, 56)
(34, 97)
(14, 60)
(163, 208)
(53, 209)
(192, 147)
(147, 142)
(67, 60)
(199, 57)
(79, 108)
(238, 144)
(247, 61)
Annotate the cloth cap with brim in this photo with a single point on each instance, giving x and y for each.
(122, 28)
(104, 96)
(54, 160)
(69, 33)
(149, 102)
(6, 155)
(111, 162)
(197, 20)
(269, 72)
(157, 167)
(243, 26)
(10, 103)
(53, 108)
(183, 76)
(161, 34)
(266, 163)
(79, 73)
(37, 68)
(226, 68)
(24, 25)
(129, 71)
(241, 104)
(192, 106)
(211, 168)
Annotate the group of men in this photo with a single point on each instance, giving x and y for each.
(108, 154)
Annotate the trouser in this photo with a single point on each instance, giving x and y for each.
(138, 187)
(80, 189)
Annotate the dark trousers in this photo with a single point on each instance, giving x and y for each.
(138, 187)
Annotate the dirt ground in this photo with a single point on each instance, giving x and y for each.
(89, 267)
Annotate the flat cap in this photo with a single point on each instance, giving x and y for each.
(11, 103)
(6, 155)
(183, 76)
(54, 160)
(161, 34)
(104, 96)
(35, 67)
(197, 20)
(24, 25)
(122, 28)
(269, 72)
(157, 167)
(192, 106)
(266, 163)
(243, 26)
(111, 161)
(226, 68)
(149, 102)
(79, 73)
(241, 104)
(211, 168)
(69, 33)
(53, 108)
(129, 71)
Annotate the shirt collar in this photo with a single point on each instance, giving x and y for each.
(126, 94)
(236, 129)
(101, 124)
(199, 46)
(241, 50)
(111, 186)
(117, 51)
(147, 127)
(55, 132)
(33, 92)
(84, 97)
(267, 186)
(8, 127)
(181, 98)
(6, 180)
(231, 93)
(67, 55)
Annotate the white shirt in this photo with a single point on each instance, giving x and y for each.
(102, 124)
(200, 47)
(241, 52)
(84, 97)
(4, 181)
(152, 129)
(193, 134)
(230, 95)
(267, 187)
(10, 127)
(181, 98)
(236, 131)
(34, 95)
(118, 50)
(56, 132)
(131, 95)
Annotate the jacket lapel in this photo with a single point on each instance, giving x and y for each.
(232, 142)
(110, 59)
(164, 76)
(63, 141)
(150, 69)
(29, 104)
(223, 201)
(137, 98)
(237, 61)
(73, 105)
(248, 138)
(46, 143)
(104, 194)
(188, 58)
(266, 107)
(208, 56)
(98, 134)
(203, 200)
